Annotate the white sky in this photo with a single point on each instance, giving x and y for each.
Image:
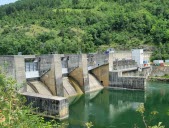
(2, 2)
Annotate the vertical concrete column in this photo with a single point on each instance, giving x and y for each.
(20, 74)
(111, 62)
(58, 75)
(111, 68)
(84, 65)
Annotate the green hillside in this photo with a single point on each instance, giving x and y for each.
(74, 26)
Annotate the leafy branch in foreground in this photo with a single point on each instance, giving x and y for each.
(89, 124)
(13, 112)
(141, 110)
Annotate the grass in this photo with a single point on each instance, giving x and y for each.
(165, 76)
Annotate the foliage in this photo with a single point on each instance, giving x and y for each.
(88, 124)
(141, 110)
(73, 26)
(165, 76)
(13, 112)
(161, 53)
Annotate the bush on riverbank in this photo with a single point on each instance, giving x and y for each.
(13, 112)
(164, 78)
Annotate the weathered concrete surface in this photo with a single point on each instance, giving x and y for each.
(102, 74)
(122, 55)
(14, 66)
(128, 55)
(40, 87)
(20, 75)
(96, 60)
(49, 80)
(117, 80)
(80, 74)
(159, 71)
(94, 84)
(31, 89)
(77, 75)
(75, 85)
(58, 74)
(53, 77)
(124, 64)
(7, 65)
(49, 106)
(45, 62)
(111, 59)
(83, 64)
(144, 73)
(69, 90)
(74, 61)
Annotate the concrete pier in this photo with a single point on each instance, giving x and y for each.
(48, 106)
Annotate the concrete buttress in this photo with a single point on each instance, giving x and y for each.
(20, 76)
(58, 74)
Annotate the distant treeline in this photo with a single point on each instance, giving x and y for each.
(74, 26)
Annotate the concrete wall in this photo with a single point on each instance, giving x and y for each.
(122, 55)
(14, 66)
(145, 72)
(80, 73)
(102, 74)
(49, 106)
(159, 70)
(49, 80)
(73, 60)
(124, 64)
(77, 75)
(116, 80)
(20, 75)
(45, 62)
(58, 74)
(7, 65)
(53, 77)
(97, 59)
(127, 54)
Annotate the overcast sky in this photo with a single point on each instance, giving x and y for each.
(2, 2)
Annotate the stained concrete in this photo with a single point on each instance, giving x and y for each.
(41, 88)
(49, 106)
(102, 74)
(117, 80)
(69, 90)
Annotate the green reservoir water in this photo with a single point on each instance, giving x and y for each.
(110, 108)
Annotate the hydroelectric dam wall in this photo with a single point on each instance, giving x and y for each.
(50, 78)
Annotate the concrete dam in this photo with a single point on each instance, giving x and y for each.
(48, 80)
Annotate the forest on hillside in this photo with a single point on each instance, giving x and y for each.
(84, 26)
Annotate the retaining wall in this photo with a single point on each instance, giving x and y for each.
(14, 66)
(49, 106)
(117, 80)
(159, 71)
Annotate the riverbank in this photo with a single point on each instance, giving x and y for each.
(158, 79)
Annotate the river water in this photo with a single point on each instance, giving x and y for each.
(110, 108)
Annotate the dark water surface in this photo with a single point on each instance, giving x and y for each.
(110, 108)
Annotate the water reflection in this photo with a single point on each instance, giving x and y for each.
(110, 108)
(104, 107)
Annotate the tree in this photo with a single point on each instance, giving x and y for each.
(13, 112)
